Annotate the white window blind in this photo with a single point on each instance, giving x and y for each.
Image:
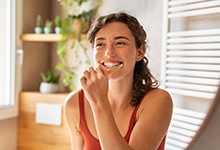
(191, 58)
(190, 63)
(184, 125)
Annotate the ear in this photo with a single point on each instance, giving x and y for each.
(140, 53)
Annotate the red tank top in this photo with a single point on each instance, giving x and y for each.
(92, 143)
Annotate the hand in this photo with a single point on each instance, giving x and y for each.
(95, 83)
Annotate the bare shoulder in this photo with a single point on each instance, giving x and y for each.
(71, 99)
(158, 99)
(72, 115)
(153, 119)
(71, 108)
(158, 95)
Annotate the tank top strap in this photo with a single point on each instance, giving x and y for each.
(133, 121)
(136, 108)
(81, 107)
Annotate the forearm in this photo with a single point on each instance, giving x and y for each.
(108, 133)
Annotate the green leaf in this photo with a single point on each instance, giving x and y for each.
(50, 76)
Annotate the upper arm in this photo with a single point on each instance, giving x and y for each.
(71, 109)
(153, 119)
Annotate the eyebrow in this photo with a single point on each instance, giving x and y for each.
(115, 38)
(121, 37)
(100, 38)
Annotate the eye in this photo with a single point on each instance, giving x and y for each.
(120, 43)
(99, 45)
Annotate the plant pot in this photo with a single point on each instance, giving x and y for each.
(38, 30)
(47, 30)
(49, 87)
(58, 30)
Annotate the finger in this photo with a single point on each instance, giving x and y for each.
(86, 74)
(99, 72)
(101, 68)
(94, 75)
(92, 71)
(83, 81)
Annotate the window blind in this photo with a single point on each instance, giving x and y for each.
(190, 65)
(183, 128)
(191, 58)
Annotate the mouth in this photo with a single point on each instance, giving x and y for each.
(112, 67)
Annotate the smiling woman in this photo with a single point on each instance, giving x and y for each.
(123, 109)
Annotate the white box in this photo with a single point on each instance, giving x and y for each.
(47, 113)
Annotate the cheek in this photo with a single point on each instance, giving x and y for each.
(130, 56)
(97, 55)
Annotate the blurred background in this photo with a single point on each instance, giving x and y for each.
(183, 53)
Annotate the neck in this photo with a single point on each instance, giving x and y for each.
(120, 93)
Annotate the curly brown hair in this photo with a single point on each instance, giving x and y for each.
(144, 81)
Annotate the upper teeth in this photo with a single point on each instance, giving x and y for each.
(110, 65)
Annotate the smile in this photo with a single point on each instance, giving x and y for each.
(111, 64)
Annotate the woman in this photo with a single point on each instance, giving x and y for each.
(120, 106)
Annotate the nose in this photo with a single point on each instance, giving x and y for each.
(110, 52)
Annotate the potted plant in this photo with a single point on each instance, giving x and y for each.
(58, 24)
(48, 27)
(38, 28)
(50, 82)
(80, 14)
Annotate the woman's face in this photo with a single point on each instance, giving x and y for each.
(114, 44)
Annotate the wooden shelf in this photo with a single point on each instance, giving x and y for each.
(46, 95)
(32, 37)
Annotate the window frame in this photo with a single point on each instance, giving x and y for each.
(11, 110)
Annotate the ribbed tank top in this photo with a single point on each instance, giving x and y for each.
(92, 143)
